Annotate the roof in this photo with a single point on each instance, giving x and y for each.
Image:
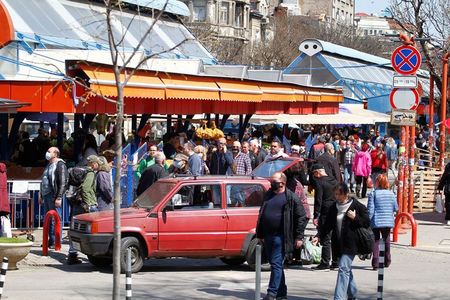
(171, 6)
(11, 106)
(348, 114)
(78, 25)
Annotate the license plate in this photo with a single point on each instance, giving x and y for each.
(76, 246)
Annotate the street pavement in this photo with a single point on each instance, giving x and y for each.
(421, 272)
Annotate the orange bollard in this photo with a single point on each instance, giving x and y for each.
(411, 219)
(48, 216)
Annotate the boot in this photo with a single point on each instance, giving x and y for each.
(358, 190)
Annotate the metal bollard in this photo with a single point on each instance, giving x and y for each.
(128, 281)
(3, 274)
(382, 248)
(258, 273)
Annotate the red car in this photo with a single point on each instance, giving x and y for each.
(202, 217)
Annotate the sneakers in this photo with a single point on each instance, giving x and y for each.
(334, 266)
(73, 261)
(282, 298)
(322, 267)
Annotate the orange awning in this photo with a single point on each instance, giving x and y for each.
(141, 85)
(330, 97)
(277, 92)
(312, 96)
(231, 90)
(189, 87)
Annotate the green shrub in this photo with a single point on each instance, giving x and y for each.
(13, 240)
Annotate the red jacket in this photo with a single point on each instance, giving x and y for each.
(4, 200)
(379, 162)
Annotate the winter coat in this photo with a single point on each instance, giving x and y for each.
(4, 199)
(294, 220)
(104, 189)
(331, 166)
(445, 179)
(221, 163)
(382, 204)
(347, 242)
(380, 163)
(362, 164)
(324, 196)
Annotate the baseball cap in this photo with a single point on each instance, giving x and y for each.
(316, 167)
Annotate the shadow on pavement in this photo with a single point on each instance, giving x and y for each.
(249, 294)
(430, 217)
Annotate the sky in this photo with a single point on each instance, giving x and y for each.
(371, 6)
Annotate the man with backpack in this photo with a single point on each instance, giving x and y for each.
(53, 187)
(82, 184)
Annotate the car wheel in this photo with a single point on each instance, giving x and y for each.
(100, 261)
(233, 261)
(251, 256)
(137, 255)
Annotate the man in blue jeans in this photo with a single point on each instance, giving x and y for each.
(53, 187)
(281, 225)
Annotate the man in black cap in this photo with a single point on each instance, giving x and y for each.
(324, 198)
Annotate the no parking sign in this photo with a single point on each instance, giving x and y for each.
(406, 60)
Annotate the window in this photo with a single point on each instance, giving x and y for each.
(200, 10)
(365, 32)
(239, 15)
(193, 197)
(244, 195)
(223, 13)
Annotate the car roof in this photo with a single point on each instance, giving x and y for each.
(210, 178)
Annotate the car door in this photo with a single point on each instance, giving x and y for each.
(194, 220)
(243, 201)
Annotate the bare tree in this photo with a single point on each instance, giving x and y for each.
(426, 19)
(125, 62)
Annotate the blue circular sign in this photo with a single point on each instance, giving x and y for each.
(406, 60)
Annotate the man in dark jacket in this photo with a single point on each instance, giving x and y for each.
(221, 160)
(281, 225)
(257, 154)
(330, 163)
(152, 174)
(343, 220)
(53, 187)
(324, 186)
(444, 184)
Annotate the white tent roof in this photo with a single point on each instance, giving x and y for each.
(348, 114)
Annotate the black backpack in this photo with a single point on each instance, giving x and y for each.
(76, 179)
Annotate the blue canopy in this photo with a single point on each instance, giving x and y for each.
(173, 6)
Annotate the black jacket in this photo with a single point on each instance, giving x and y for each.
(294, 218)
(323, 196)
(221, 163)
(331, 166)
(445, 179)
(150, 176)
(256, 160)
(347, 243)
(61, 180)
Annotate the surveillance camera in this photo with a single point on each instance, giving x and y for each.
(310, 47)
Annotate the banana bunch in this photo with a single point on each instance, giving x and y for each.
(213, 133)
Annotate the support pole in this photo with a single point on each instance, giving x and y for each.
(4, 137)
(431, 123)
(443, 111)
(258, 273)
(3, 275)
(412, 144)
(381, 269)
(401, 169)
(128, 280)
(61, 133)
(406, 177)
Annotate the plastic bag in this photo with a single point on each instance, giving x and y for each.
(311, 252)
(439, 208)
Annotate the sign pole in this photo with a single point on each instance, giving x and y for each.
(406, 172)
(412, 144)
(431, 123)
(401, 169)
(443, 111)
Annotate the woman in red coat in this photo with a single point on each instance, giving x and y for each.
(379, 161)
(5, 223)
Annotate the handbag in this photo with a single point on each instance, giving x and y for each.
(439, 208)
(369, 182)
(365, 239)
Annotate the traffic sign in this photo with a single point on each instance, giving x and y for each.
(403, 117)
(406, 60)
(404, 98)
(405, 81)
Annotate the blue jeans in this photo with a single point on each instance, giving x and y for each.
(345, 284)
(49, 204)
(73, 253)
(274, 247)
(348, 175)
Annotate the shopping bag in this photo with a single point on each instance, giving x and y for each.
(439, 208)
(306, 253)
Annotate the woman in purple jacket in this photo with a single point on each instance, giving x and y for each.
(362, 167)
(104, 191)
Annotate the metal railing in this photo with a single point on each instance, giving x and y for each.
(26, 212)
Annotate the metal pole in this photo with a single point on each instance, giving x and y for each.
(431, 122)
(401, 169)
(381, 269)
(443, 110)
(128, 282)
(3, 274)
(412, 144)
(406, 176)
(258, 273)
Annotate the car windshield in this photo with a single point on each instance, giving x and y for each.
(267, 168)
(154, 194)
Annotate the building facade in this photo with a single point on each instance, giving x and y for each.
(336, 11)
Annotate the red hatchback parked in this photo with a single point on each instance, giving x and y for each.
(202, 217)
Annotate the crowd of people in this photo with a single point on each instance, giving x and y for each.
(338, 169)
